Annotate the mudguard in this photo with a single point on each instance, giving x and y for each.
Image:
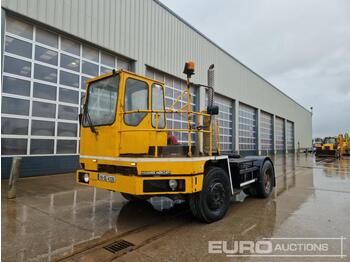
(259, 161)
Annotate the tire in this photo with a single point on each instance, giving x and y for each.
(212, 203)
(266, 179)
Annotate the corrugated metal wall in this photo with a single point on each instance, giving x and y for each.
(147, 32)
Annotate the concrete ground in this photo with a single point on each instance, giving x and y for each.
(53, 218)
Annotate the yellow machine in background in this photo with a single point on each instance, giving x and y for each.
(346, 145)
(126, 146)
(317, 145)
(330, 147)
(340, 145)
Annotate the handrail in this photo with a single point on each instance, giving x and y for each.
(166, 129)
(182, 110)
(218, 136)
(178, 99)
(167, 111)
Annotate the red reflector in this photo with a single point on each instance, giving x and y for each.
(181, 185)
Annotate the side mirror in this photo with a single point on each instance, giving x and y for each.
(82, 99)
(213, 110)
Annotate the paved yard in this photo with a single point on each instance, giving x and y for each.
(54, 218)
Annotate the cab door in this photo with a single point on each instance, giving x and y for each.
(135, 134)
(158, 121)
(138, 132)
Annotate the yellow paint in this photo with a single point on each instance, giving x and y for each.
(136, 140)
(181, 167)
(347, 141)
(134, 184)
(120, 140)
(344, 144)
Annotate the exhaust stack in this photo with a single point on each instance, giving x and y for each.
(211, 83)
(210, 141)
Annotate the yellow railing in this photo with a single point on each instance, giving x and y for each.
(186, 109)
(168, 111)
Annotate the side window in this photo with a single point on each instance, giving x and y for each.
(136, 98)
(158, 104)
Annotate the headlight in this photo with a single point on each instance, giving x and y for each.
(86, 178)
(173, 184)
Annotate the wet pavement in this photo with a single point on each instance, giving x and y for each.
(53, 218)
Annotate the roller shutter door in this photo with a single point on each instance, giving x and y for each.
(280, 139)
(266, 131)
(247, 128)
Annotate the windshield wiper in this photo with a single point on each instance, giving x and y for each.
(88, 118)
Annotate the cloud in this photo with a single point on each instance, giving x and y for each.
(303, 47)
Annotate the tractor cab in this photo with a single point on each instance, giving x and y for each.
(124, 114)
(116, 119)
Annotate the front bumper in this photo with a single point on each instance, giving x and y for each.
(141, 185)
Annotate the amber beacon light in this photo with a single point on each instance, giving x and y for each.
(189, 69)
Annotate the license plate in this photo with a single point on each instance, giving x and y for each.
(105, 178)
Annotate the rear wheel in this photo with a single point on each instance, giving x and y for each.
(266, 180)
(211, 204)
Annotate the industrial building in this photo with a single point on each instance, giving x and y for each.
(50, 48)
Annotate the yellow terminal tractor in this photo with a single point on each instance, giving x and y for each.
(126, 146)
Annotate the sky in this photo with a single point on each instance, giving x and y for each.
(300, 46)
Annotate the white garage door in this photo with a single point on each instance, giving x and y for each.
(225, 120)
(290, 135)
(247, 128)
(280, 139)
(266, 131)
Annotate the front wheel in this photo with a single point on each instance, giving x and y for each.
(212, 203)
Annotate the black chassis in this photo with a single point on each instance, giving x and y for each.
(246, 170)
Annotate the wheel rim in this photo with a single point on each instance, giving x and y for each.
(267, 180)
(216, 196)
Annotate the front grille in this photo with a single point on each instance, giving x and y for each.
(118, 246)
(124, 170)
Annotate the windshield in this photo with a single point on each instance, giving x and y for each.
(330, 140)
(101, 102)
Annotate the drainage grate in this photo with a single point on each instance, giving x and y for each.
(118, 246)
